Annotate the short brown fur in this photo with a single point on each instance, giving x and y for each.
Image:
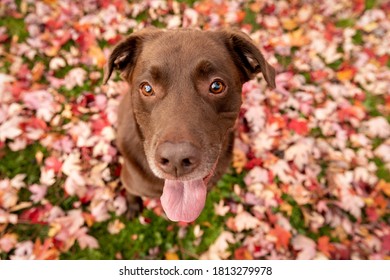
(180, 65)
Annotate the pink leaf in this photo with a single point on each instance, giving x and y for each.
(245, 221)
(85, 240)
(305, 246)
(38, 192)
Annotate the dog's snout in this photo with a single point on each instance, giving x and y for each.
(177, 159)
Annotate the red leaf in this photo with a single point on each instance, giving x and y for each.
(299, 126)
(358, 6)
(269, 9)
(341, 252)
(99, 124)
(53, 163)
(383, 59)
(372, 214)
(35, 123)
(386, 243)
(319, 75)
(35, 215)
(254, 162)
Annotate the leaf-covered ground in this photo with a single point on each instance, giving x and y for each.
(311, 172)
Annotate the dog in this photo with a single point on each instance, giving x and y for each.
(176, 125)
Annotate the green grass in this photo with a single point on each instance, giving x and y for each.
(371, 103)
(382, 172)
(285, 61)
(15, 26)
(250, 18)
(136, 240)
(370, 4)
(346, 22)
(357, 39)
(21, 162)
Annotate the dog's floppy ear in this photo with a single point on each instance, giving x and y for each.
(247, 56)
(125, 53)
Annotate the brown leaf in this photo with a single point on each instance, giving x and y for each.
(37, 71)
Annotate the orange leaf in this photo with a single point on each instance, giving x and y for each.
(384, 187)
(171, 256)
(283, 236)
(89, 218)
(97, 55)
(298, 39)
(324, 246)
(256, 7)
(231, 224)
(381, 203)
(289, 24)
(242, 254)
(240, 16)
(37, 71)
(45, 251)
(346, 74)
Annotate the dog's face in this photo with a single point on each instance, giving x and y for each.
(186, 95)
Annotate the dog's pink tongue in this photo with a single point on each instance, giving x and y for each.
(183, 200)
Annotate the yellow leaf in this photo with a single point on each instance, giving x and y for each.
(370, 27)
(171, 256)
(98, 56)
(285, 207)
(289, 24)
(368, 201)
(298, 39)
(54, 229)
(39, 157)
(239, 160)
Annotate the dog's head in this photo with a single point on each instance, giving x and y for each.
(186, 95)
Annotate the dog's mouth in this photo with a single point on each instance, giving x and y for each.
(185, 200)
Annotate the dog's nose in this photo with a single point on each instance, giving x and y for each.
(177, 159)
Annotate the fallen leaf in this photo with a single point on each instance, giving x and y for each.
(384, 187)
(324, 246)
(305, 246)
(171, 256)
(242, 253)
(282, 237)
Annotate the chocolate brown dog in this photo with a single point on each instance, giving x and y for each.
(175, 126)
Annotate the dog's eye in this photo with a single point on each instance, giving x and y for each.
(217, 87)
(146, 89)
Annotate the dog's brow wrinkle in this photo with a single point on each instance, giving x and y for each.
(205, 68)
(155, 72)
